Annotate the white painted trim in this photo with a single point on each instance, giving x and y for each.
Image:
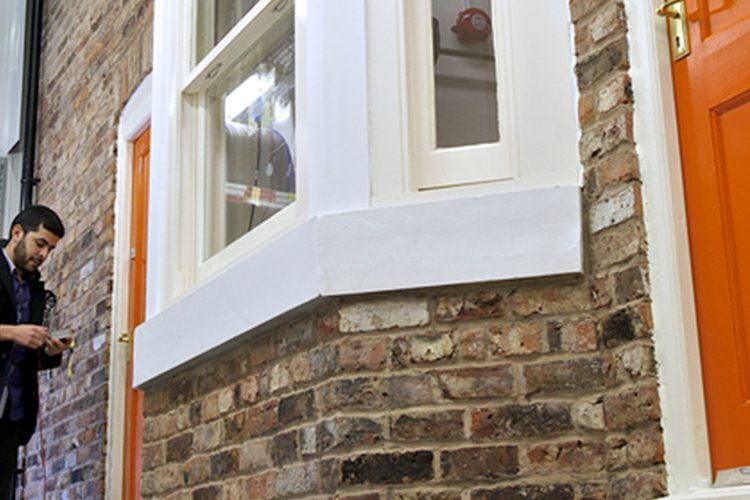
(675, 329)
(134, 120)
(493, 237)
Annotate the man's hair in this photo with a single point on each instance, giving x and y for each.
(38, 215)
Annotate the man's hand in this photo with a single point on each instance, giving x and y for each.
(55, 346)
(32, 336)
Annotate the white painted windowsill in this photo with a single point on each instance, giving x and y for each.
(737, 492)
(498, 236)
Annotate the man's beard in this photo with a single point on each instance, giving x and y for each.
(21, 258)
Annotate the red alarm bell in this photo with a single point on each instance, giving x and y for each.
(472, 25)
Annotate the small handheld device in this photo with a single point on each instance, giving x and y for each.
(61, 334)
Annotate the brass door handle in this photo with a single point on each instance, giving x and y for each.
(125, 337)
(665, 10)
(677, 19)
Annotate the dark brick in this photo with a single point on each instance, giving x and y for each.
(437, 426)
(554, 336)
(568, 375)
(527, 492)
(542, 419)
(612, 57)
(236, 428)
(284, 448)
(472, 464)
(207, 493)
(296, 407)
(180, 447)
(323, 362)
(330, 475)
(630, 284)
(224, 463)
(470, 383)
(343, 433)
(388, 468)
(360, 393)
(618, 328)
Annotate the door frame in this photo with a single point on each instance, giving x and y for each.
(134, 120)
(687, 456)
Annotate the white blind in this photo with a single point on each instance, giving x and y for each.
(12, 35)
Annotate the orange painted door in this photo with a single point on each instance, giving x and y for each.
(712, 87)
(136, 312)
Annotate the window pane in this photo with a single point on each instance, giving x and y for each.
(465, 77)
(251, 173)
(214, 20)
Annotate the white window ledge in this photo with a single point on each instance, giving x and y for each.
(498, 236)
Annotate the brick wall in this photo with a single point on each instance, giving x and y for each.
(94, 54)
(531, 389)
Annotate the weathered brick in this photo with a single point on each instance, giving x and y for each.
(632, 406)
(428, 495)
(388, 468)
(519, 339)
(619, 166)
(470, 306)
(617, 458)
(224, 463)
(324, 361)
(197, 470)
(422, 349)
(645, 447)
(551, 299)
(209, 436)
(527, 491)
(362, 354)
(566, 375)
(606, 136)
(346, 433)
(428, 426)
(383, 315)
(473, 344)
(249, 389)
(466, 464)
(580, 8)
(579, 335)
(412, 390)
(630, 284)
(470, 383)
(616, 208)
(262, 418)
(296, 408)
(617, 244)
(567, 456)
(638, 485)
(516, 420)
(284, 448)
(589, 414)
(330, 475)
(179, 448)
(262, 485)
(154, 455)
(207, 493)
(279, 378)
(632, 362)
(618, 328)
(299, 368)
(610, 58)
(616, 92)
(297, 480)
(254, 455)
(364, 393)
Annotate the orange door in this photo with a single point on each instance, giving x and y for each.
(712, 88)
(136, 312)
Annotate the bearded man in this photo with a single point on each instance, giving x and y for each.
(25, 345)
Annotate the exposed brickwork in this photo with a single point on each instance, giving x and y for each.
(534, 389)
(94, 55)
(539, 389)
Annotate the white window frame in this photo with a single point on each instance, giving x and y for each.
(248, 31)
(434, 167)
(365, 229)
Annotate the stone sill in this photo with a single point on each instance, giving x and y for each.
(500, 236)
(738, 492)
